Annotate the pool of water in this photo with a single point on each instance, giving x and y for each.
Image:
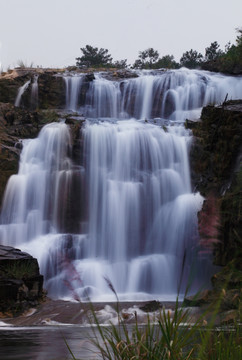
(46, 343)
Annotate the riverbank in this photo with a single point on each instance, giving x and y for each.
(53, 312)
(66, 313)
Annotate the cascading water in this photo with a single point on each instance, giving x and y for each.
(126, 211)
(34, 93)
(21, 90)
(73, 85)
(174, 95)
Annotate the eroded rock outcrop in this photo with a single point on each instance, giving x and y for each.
(21, 285)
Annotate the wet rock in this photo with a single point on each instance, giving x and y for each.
(9, 87)
(51, 91)
(151, 306)
(90, 77)
(198, 299)
(51, 88)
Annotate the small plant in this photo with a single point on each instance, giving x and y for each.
(20, 270)
(23, 65)
(222, 344)
(172, 337)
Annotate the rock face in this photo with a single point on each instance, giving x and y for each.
(217, 172)
(217, 146)
(216, 162)
(51, 88)
(15, 124)
(21, 285)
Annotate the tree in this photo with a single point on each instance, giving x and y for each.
(147, 59)
(231, 60)
(213, 52)
(120, 64)
(92, 56)
(239, 37)
(191, 59)
(227, 47)
(167, 62)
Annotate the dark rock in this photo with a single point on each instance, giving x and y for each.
(191, 124)
(217, 173)
(151, 306)
(9, 87)
(198, 299)
(51, 91)
(218, 138)
(20, 281)
(90, 77)
(125, 74)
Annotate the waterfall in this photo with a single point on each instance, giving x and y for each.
(174, 95)
(125, 210)
(34, 92)
(21, 90)
(73, 85)
(140, 213)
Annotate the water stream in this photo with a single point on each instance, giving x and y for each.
(20, 93)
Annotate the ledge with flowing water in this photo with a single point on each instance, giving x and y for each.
(173, 94)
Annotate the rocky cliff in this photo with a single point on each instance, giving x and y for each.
(216, 162)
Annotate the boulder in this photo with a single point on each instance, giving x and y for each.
(21, 285)
(151, 306)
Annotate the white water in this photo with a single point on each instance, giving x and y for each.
(126, 212)
(34, 92)
(141, 210)
(21, 90)
(174, 95)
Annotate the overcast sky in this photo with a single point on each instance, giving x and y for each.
(49, 33)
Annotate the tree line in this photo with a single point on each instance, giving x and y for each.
(215, 59)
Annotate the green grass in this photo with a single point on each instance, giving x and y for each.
(175, 336)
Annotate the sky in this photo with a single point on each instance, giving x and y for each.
(50, 33)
